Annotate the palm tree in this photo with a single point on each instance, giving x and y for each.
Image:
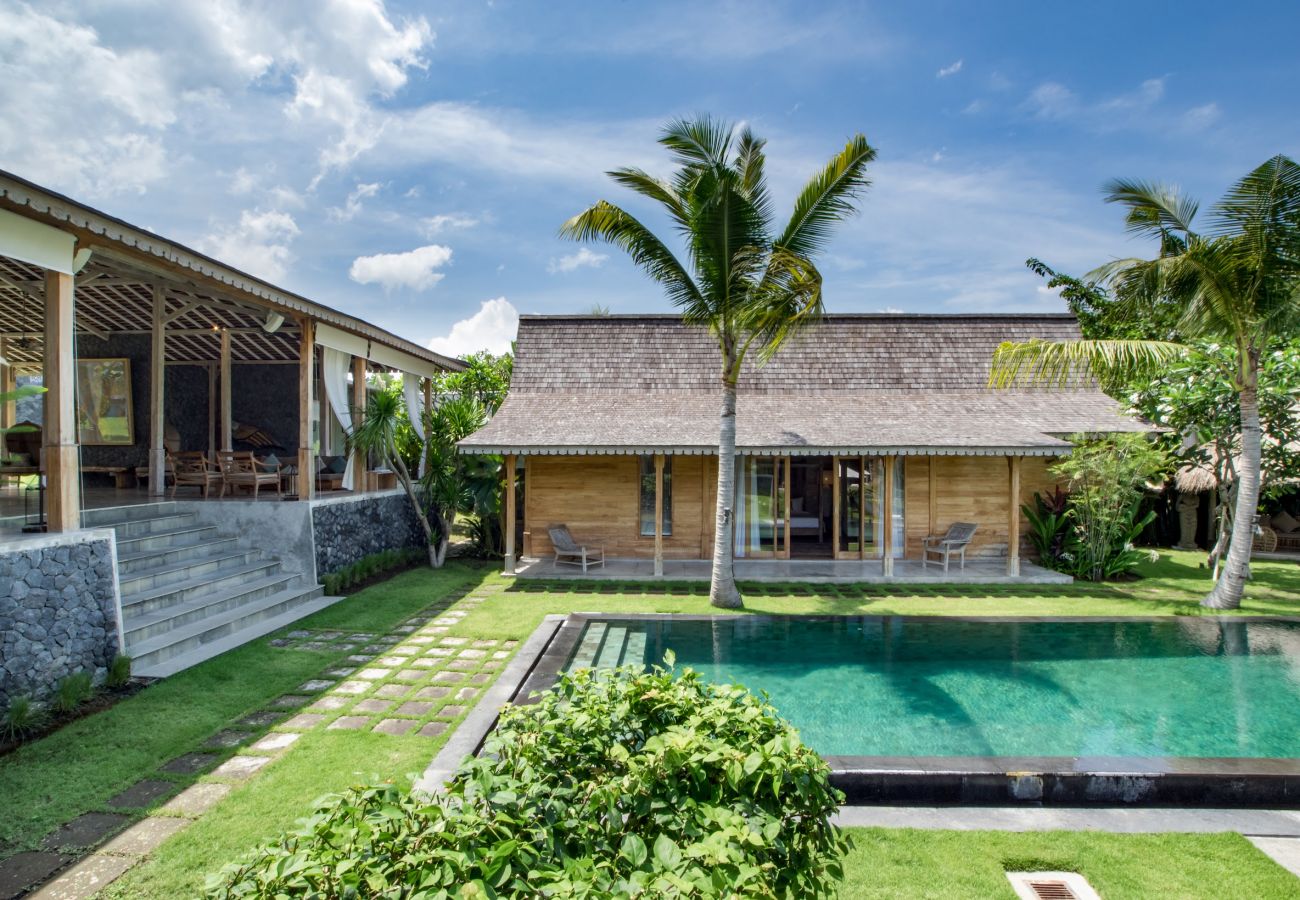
(1237, 283)
(751, 286)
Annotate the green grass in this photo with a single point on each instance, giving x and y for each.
(888, 863)
(78, 768)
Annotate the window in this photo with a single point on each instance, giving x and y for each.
(648, 496)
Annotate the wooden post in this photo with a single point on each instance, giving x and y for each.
(862, 507)
(306, 372)
(227, 422)
(932, 527)
(1013, 516)
(887, 521)
(8, 383)
(509, 567)
(358, 413)
(835, 507)
(59, 432)
(659, 515)
(157, 380)
(787, 507)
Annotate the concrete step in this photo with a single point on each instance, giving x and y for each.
(130, 528)
(141, 624)
(187, 570)
(190, 644)
(128, 546)
(191, 551)
(173, 593)
(97, 518)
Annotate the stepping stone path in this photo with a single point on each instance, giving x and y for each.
(407, 684)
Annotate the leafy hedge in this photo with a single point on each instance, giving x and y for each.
(624, 783)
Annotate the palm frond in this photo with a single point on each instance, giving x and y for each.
(1266, 200)
(751, 164)
(1154, 210)
(704, 142)
(655, 189)
(1058, 363)
(827, 199)
(787, 299)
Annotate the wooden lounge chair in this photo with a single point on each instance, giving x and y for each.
(955, 540)
(570, 553)
(192, 469)
(244, 470)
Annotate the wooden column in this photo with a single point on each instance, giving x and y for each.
(8, 383)
(862, 507)
(157, 383)
(1013, 516)
(835, 507)
(659, 515)
(887, 520)
(59, 433)
(509, 567)
(787, 507)
(306, 373)
(358, 413)
(932, 527)
(227, 422)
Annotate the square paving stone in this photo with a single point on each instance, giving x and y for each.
(361, 637)
(403, 629)
(410, 675)
(482, 678)
(421, 640)
(240, 766)
(425, 663)
(414, 708)
(299, 634)
(449, 676)
(373, 674)
(25, 870)
(330, 635)
(464, 665)
(312, 645)
(390, 661)
(500, 654)
(372, 706)
(349, 723)
(260, 719)
(303, 722)
(289, 701)
(445, 620)
(88, 830)
(491, 665)
(388, 639)
(432, 693)
(142, 795)
(439, 629)
(361, 657)
(472, 654)
(86, 878)
(375, 648)
(334, 702)
(345, 647)
(394, 726)
(466, 693)
(144, 836)
(439, 652)
(277, 740)
(353, 687)
(510, 645)
(316, 685)
(280, 642)
(404, 651)
(340, 673)
(189, 764)
(451, 711)
(487, 643)
(223, 740)
(454, 641)
(393, 690)
(197, 799)
(433, 729)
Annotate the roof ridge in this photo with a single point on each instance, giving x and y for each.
(660, 317)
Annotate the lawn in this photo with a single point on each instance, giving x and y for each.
(77, 769)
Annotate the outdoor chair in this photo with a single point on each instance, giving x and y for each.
(954, 541)
(244, 470)
(192, 469)
(570, 553)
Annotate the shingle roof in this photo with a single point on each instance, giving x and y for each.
(850, 384)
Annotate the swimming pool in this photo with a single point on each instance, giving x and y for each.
(873, 686)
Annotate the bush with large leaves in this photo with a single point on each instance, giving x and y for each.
(625, 783)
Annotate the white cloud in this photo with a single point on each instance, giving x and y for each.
(1141, 109)
(352, 205)
(492, 328)
(584, 258)
(1051, 100)
(415, 269)
(1199, 117)
(435, 225)
(949, 70)
(892, 310)
(259, 244)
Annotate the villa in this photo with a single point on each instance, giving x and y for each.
(863, 436)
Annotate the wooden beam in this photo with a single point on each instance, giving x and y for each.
(306, 375)
(1013, 516)
(358, 413)
(175, 314)
(659, 515)
(59, 432)
(887, 520)
(509, 567)
(157, 405)
(227, 422)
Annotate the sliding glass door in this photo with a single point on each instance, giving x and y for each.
(760, 506)
(859, 505)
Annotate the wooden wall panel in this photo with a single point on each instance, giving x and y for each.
(916, 504)
(974, 489)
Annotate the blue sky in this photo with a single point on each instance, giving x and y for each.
(411, 162)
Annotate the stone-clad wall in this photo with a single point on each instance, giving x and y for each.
(348, 528)
(58, 610)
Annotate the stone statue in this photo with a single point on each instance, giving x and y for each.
(1189, 506)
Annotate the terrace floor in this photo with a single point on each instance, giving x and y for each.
(810, 571)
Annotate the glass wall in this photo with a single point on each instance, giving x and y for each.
(759, 510)
(859, 486)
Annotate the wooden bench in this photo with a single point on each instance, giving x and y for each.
(123, 476)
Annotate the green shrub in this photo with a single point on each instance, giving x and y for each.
(23, 716)
(119, 671)
(72, 691)
(613, 784)
(368, 567)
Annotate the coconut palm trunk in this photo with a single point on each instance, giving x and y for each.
(723, 592)
(1231, 585)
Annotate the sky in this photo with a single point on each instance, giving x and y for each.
(411, 163)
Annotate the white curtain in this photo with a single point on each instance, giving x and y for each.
(334, 368)
(415, 411)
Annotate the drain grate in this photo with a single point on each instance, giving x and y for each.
(1051, 886)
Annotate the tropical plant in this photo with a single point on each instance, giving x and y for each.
(1106, 479)
(486, 378)
(119, 672)
(454, 482)
(72, 691)
(1238, 283)
(1051, 531)
(614, 784)
(751, 285)
(22, 718)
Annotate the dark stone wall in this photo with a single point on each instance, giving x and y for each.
(266, 396)
(185, 402)
(347, 530)
(57, 615)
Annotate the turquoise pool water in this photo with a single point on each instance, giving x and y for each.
(886, 686)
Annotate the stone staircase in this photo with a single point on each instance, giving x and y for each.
(607, 646)
(190, 592)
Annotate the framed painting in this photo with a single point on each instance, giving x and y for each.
(104, 402)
